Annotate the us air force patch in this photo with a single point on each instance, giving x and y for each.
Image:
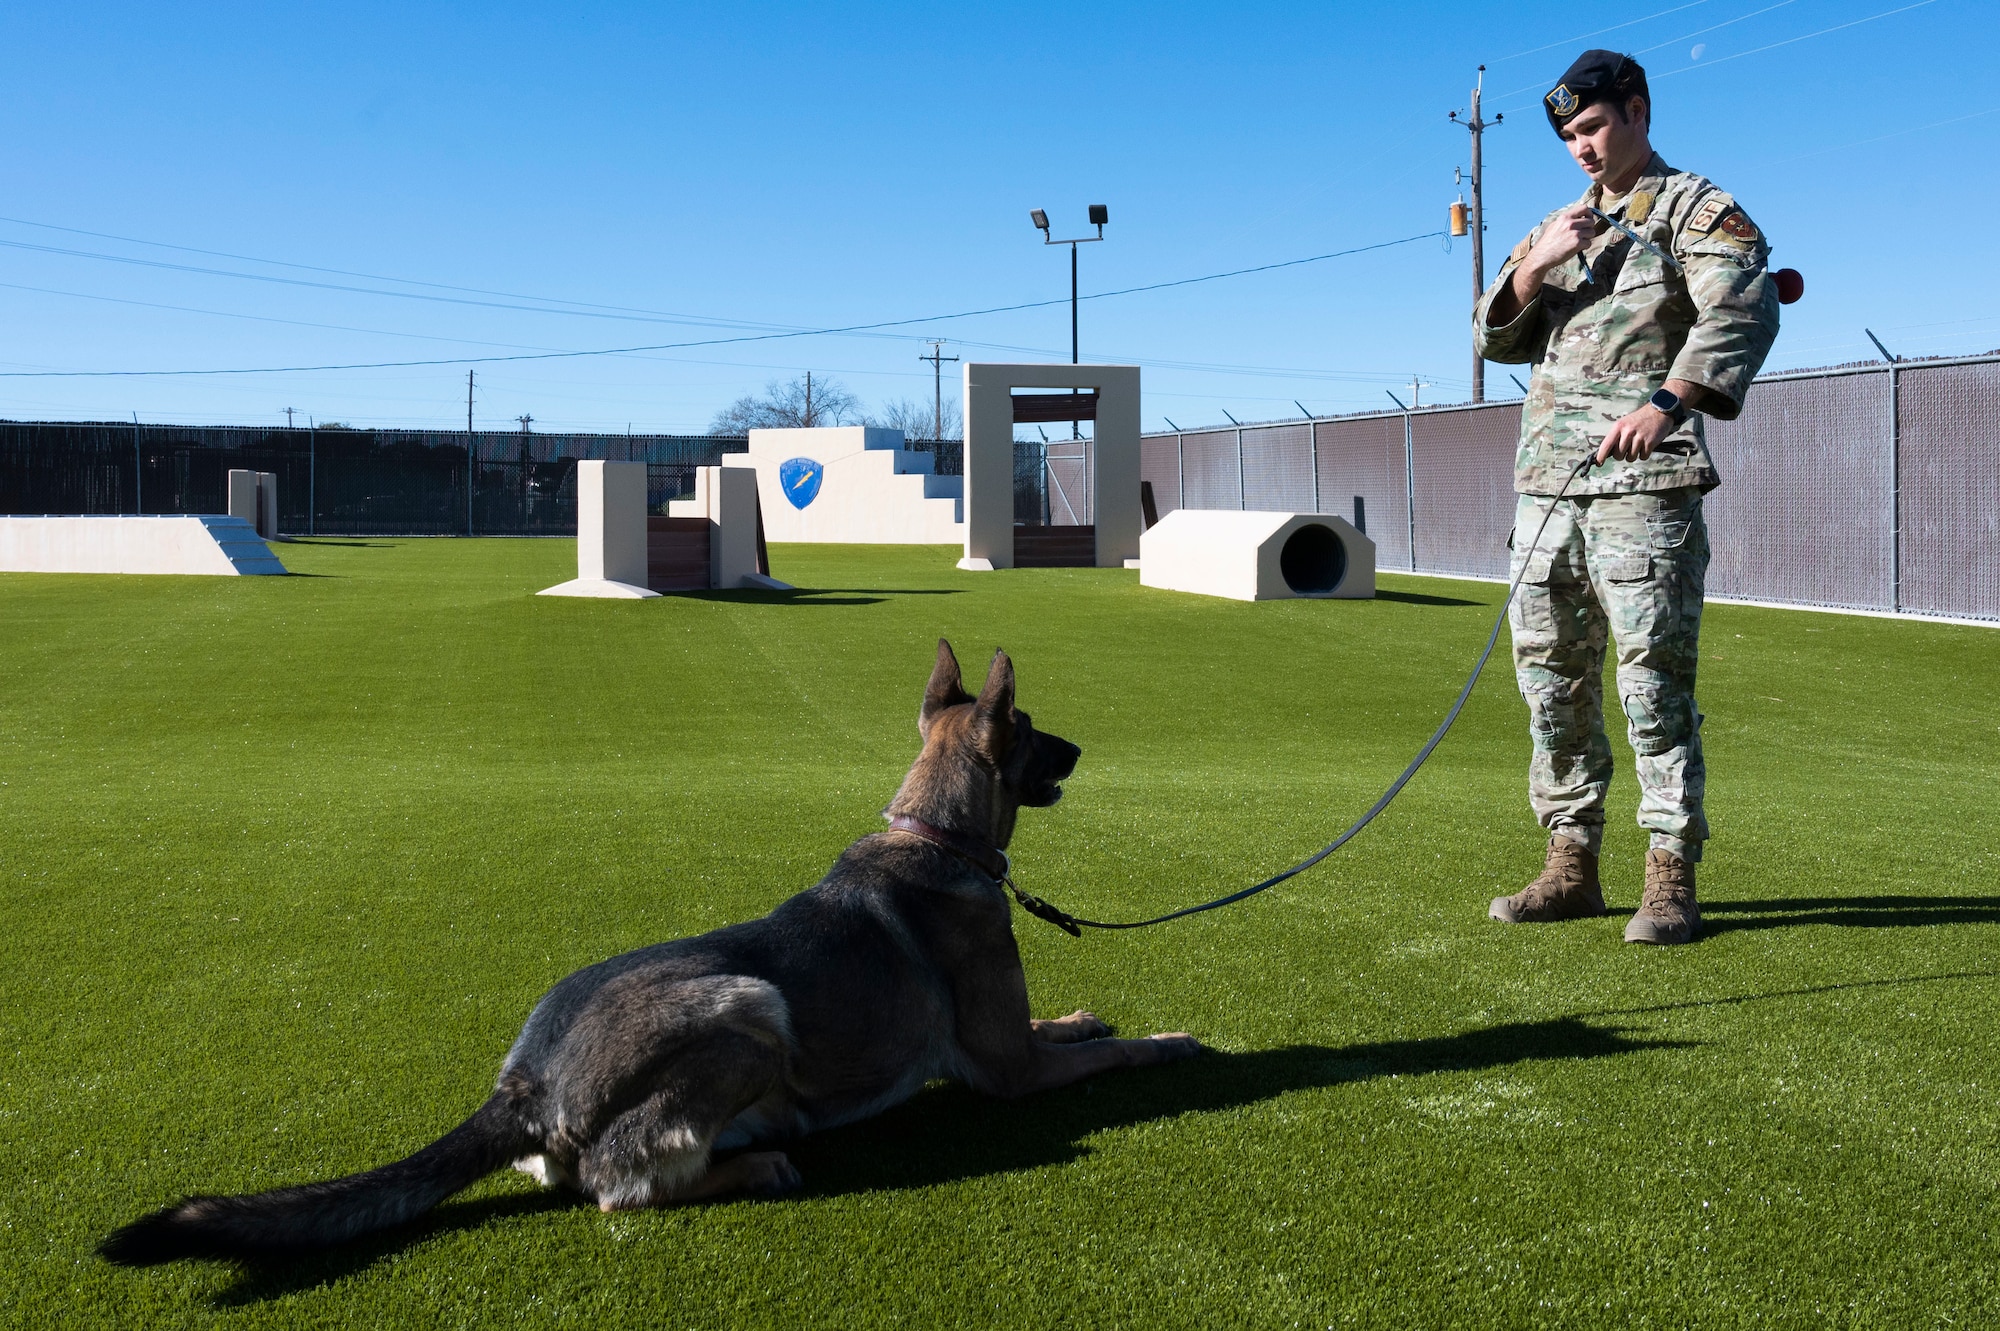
(1562, 101)
(799, 478)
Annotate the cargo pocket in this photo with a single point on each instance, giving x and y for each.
(1533, 612)
(1668, 531)
(1631, 568)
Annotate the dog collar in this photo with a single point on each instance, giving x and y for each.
(989, 860)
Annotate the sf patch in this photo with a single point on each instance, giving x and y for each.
(1562, 101)
(1705, 217)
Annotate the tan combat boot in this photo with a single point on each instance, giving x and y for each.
(1668, 914)
(1567, 889)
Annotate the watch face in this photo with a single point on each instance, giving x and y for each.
(1666, 402)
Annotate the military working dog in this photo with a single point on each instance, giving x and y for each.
(898, 968)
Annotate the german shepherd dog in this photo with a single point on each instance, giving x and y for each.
(896, 969)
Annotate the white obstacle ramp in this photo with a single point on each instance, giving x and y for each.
(203, 544)
(1250, 556)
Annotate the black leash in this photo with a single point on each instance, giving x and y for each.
(1075, 925)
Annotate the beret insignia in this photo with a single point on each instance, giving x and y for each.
(1562, 101)
(1740, 227)
(1706, 216)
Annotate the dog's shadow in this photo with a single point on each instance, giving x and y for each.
(949, 1134)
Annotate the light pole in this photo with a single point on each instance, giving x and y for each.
(1099, 215)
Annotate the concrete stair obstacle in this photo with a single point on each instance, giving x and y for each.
(209, 544)
(853, 485)
(1251, 556)
(712, 540)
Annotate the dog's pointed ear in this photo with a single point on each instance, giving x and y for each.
(946, 688)
(993, 713)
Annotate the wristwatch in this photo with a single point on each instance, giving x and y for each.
(1669, 404)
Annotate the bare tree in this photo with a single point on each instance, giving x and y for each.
(918, 420)
(802, 403)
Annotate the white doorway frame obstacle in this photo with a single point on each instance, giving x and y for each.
(253, 496)
(989, 458)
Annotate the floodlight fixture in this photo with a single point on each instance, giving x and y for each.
(1099, 214)
(1040, 219)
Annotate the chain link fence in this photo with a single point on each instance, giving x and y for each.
(336, 481)
(1868, 487)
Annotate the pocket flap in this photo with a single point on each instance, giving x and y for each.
(1629, 568)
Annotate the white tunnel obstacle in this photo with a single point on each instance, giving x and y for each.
(1249, 556)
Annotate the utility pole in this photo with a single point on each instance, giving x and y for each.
(937, 358)
(526, 421)
(468, 409)
(1478, 127)
(288, 417)
(807, 422)
(1417, 387)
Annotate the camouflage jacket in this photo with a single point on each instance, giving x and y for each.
(1601, 347)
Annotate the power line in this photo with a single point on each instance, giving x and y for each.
(1709, 64)
(1582, 37)
(703, 342)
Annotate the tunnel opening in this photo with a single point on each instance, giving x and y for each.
(1313, 560)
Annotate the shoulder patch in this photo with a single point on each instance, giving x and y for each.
(1710, 212)
(1740, 228)
(1639, 207)
(1521, 250)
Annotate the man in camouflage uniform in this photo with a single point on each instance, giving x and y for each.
(1629, 349)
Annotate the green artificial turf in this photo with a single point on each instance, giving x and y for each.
(287, 861)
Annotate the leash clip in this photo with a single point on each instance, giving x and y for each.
(1042, 910)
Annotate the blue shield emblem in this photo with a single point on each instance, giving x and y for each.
(1562, 101)
(800, 479)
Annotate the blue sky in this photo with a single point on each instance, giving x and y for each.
(730, 171)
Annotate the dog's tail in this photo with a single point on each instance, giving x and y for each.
(290, 1221)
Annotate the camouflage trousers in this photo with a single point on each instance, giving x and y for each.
(1632, 565)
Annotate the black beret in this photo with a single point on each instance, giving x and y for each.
(1597, 76)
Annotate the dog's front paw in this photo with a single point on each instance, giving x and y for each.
(768, 1174)
(1075, 1028)
(1172, 1047)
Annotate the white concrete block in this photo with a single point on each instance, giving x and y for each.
(851, 484)
(201, 544)
(728, 498)
(243, 495)
(1252, 556)
(267, 505)
(611, 522)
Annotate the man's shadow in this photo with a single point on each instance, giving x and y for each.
(1876, 912)
(950, 1134)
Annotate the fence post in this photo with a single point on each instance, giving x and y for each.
(1895, 492)
(138, 469)
(1410, 485)
(1180, 472)
(312, 478)
(1242, 494)
(468, 482)
(1895, 478)
(1312, 444)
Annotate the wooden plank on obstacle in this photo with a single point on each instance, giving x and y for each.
(677, 554)
(1055, 547)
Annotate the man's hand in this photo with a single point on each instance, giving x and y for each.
(1562, 240)
(1635, 436)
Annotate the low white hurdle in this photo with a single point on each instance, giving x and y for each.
(1250, 556)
